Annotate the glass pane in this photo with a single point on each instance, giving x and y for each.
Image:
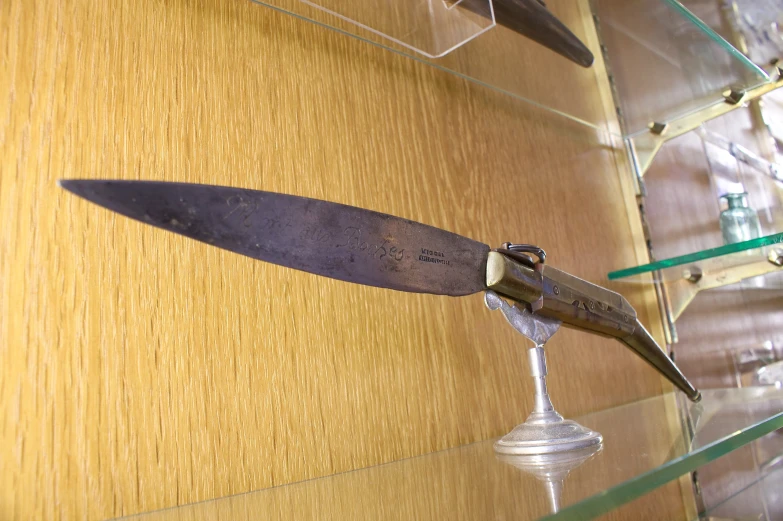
(730, 255)
(693, 65)
(499, 59)
(666, 62)
(751, 365)
(735, 168)
(643, 448)
(431, 27)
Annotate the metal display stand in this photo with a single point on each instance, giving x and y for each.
(545, 431)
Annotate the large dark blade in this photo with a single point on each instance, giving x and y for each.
(329, 239)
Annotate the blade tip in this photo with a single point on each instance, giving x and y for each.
(75, 186)
(68, 184)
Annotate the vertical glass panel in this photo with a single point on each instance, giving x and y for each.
(761, 500)
(751, 365)
(735, 168)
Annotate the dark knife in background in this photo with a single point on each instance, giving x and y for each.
(532, 19)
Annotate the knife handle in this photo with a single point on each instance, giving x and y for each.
(513, 279)
(557, 294)
(579, 304)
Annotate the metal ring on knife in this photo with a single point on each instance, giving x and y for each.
(519, 252)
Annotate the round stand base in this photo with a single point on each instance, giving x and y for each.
(533, 437)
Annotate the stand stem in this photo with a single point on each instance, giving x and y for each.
(543, 410)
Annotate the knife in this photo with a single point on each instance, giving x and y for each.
(532, 19)
(375, 249)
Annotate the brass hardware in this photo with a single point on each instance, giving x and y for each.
(735, 97)
(513, 279)
(658, 128)
(574, 301)
(645, 146)
(692, 274)
(776, 257)
(575, 304)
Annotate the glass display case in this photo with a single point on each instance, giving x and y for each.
(669, 72)
(760, 499)
(758, 22)
(758, 365)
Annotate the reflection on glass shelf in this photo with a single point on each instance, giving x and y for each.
(761, 500)
(644, 448)
(771, 374)
(741, 154)
(499, 58)
(722, 258)
(665, 61)
(751, 364)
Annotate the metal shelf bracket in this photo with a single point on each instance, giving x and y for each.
(645, 146)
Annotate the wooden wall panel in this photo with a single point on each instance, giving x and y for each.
(469, 483)
(140, 370)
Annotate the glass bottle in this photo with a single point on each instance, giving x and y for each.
(739, 222)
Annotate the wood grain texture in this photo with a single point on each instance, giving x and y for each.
(141, 370)
(470, 482)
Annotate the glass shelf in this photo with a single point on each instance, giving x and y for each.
(664, 61)
(644, 448)
(722, 257)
